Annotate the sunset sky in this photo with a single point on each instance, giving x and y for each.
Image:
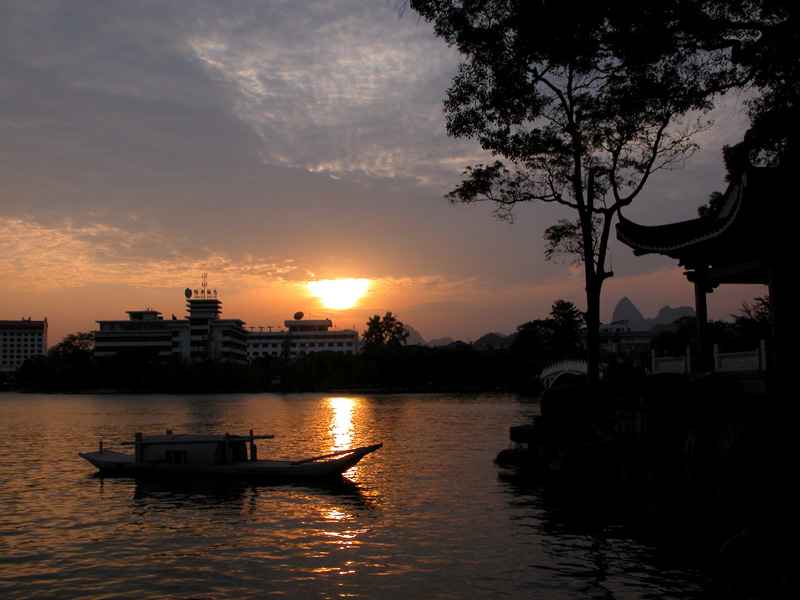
(269, 144)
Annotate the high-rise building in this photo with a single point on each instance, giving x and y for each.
(21, 340)
(201, 335)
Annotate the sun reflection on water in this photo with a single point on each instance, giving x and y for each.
(343, 538)
(341, 427)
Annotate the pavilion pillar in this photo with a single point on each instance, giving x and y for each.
(777, 363)
(705, 359)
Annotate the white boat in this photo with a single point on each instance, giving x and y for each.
(217, 455)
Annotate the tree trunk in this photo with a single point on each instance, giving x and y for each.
(593, 288)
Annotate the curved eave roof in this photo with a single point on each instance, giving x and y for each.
(749, 225)
(676, 239)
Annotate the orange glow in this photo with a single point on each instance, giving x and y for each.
(342, 422)
(339, 293)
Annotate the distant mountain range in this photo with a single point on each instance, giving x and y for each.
(624, 311)
(489, 340)
(414, 338)
(445, 341)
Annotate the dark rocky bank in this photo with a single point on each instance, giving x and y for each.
(676, 458)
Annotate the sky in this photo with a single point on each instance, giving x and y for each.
(269, 144)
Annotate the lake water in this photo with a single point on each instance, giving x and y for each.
(427, 516)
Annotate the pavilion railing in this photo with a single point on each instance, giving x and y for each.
(739, 362)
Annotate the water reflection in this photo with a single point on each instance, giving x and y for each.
(342, 538)
(341, 427)
(426, 517)
(182, 491)
(582, 543)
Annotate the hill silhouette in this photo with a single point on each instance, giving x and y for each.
(627, 311)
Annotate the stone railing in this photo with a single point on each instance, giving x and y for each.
(724, 362)
(556, 370)
(739, 362)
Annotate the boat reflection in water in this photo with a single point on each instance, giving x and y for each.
(426, 517)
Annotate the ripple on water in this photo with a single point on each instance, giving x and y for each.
(426, 516)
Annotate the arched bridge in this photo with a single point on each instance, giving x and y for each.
(565, 367)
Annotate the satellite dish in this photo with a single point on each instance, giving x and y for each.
(187, 293)
(298, 315)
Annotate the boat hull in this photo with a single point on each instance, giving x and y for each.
(117, 463)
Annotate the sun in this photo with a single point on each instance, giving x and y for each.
(339, 293)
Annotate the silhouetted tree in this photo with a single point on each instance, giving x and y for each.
(37, 374)
(753, 323)
(75, 344)
(72, 359)
(543, 341)
(534, 340)
(387, 331)
(674, 340)
(766, 47)
(736, 160)
(373, 334)
(584, 105)
(567, 324)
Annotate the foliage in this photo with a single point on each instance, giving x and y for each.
(744, 333)
(753, 323)
(765, 39)
(386, 331)
(543, 341)
(74, 344)
(37, 374)
(568, 323)
(769, 52)
(71, 361)
(736, 160)
(533, 342)
(566, 238)
(757, 313)
(680, 335)
(388, 367)
(583, 105)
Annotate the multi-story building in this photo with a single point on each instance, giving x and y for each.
(618, 338)
(204, 335)
(143, 330)
(21, 340)
(201, 335)
(302, 337)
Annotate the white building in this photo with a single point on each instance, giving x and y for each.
(200, 336)
(302, 337)
(618, 338)
(21, 340)
(143, 330)
(203, 334)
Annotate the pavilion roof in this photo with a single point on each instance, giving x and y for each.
(741, 239)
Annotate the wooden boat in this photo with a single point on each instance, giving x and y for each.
(217, 455)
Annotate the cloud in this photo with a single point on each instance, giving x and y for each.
(339, 92)
(146, 142)
(38, 258)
